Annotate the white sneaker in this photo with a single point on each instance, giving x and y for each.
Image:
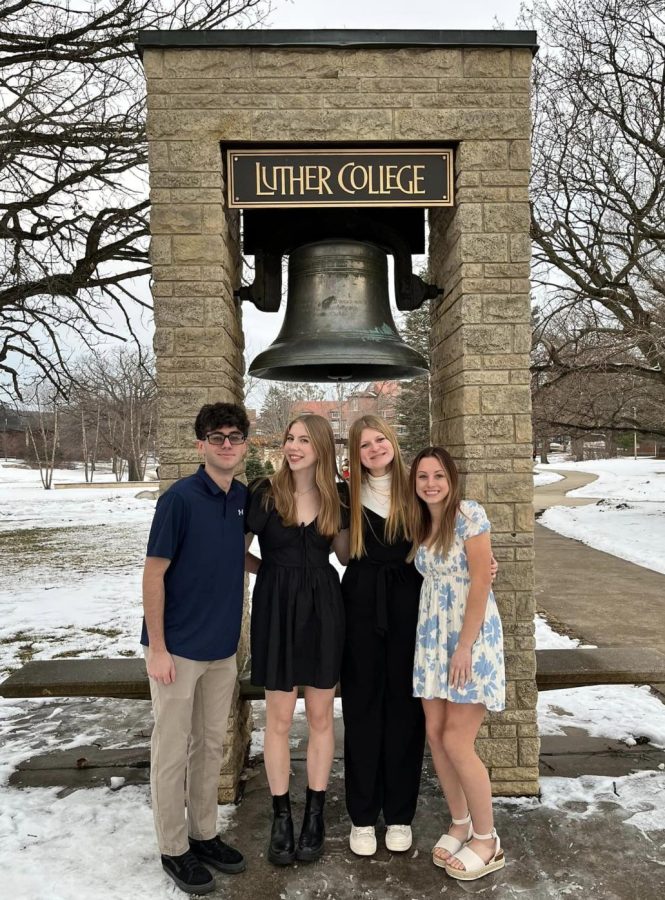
(362, 841)
(398, 838)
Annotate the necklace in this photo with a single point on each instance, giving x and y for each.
(300, 493)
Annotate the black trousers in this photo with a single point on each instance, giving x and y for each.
(384, 725)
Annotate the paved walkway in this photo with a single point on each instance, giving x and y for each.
(596, 596)
(556, 494)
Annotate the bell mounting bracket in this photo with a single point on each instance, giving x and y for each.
(271, 235)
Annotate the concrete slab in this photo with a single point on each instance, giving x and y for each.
(576, 753)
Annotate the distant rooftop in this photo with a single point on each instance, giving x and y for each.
(337, 37)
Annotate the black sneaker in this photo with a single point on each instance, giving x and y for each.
(216, 853)
(188, 873)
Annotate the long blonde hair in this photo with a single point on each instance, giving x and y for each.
(282, 485)
(396, 523)
(420, 518)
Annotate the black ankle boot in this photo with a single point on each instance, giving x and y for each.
(282, 850)
(313, 832)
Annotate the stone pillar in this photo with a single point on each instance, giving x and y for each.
(481, 405)
(476, 99)
(195, 255)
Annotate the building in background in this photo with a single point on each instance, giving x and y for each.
(378, 399)
(14, 433)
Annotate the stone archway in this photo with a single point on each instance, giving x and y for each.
(466, 89)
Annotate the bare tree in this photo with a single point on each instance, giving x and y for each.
(276, 410)
(281, 401)
(413, 401)
(578, 394)
(598, 207)
(43, 426)
(116, 398)
(90, 439)
(73, 185)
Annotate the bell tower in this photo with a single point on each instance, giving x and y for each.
(384, 97)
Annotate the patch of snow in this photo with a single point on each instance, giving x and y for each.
(541, 478)
(631, 531)
(620, 479)
(629, 519)
(621, 712)
(27, 505)
(72, 561)
(92, 843)
(548, 639)
(640, 795)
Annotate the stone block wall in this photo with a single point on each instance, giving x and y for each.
(475, 99)
(481, 406)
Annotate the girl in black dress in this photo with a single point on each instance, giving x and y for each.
(297, 624)
(384, 725)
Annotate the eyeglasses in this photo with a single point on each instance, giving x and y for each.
(217, 438)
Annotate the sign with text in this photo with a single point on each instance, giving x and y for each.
(300, 178)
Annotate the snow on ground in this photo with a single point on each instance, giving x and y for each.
(25, 504)
(622, 712)
(641, 795)
(542, 478)
(624, 478)
(71, 565)
(635, 531)
(91, 843)
(72, 562)
(628, 519)
(548, 639)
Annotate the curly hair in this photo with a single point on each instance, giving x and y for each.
(220, 415)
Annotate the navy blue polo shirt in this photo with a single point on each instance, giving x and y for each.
(201, 529)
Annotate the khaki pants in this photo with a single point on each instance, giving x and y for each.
(186, 749)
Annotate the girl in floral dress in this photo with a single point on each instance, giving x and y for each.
(458, 664)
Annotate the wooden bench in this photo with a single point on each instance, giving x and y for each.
(126, 678)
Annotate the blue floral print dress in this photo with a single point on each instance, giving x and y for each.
(440, 618)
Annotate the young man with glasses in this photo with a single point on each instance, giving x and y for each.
(193, 584)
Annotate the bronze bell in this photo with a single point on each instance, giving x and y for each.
(338, 325)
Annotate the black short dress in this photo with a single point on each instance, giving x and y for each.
(297, 625)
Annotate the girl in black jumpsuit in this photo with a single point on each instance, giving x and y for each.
(384, 726)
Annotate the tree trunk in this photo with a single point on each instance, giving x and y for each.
(544, 449)
(577, 447)
(610, 445)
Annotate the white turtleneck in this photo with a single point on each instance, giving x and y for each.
(375, 493)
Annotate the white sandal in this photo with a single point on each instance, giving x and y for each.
(450, 843)
(474, 865)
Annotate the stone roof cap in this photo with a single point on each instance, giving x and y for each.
(336, 37)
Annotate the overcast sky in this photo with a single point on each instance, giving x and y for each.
(381, 14)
